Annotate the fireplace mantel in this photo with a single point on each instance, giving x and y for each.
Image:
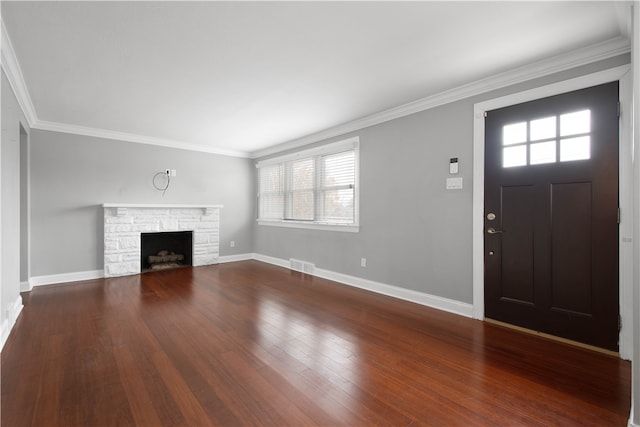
(124, 223)
(121, 208)
(154, 206)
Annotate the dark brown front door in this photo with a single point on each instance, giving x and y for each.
(551, 215)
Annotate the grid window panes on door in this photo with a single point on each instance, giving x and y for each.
(316, 186)
(563, 138)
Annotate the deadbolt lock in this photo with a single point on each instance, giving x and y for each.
(491, 216)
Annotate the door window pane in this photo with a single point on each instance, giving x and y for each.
(575, 123)
(514, 134)
(543, 128)
(535, 142)
(514, 156)
(575, 149)
(543, 152)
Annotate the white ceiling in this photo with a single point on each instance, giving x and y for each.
(239, 77)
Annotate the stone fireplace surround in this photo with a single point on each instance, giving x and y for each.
(124, 223)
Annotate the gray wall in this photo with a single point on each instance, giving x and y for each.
(414, 233)
(12, 117)
(71, 176)
(403, 202)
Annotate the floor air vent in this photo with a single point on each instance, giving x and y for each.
(301, 266)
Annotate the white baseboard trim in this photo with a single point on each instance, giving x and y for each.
(66, 277)
(25, 286)
(79, 276)
(12, 316)
(271, 260)
(235, 258)
(4, 333)
(433, 301)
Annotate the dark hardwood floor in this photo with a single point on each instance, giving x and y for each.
(248, 343)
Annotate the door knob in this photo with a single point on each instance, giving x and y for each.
(492, 230)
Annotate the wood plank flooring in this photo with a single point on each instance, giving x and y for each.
(251, 344)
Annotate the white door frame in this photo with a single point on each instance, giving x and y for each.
(621, 74)
(25, 150)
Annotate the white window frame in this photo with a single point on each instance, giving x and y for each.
(332, 148)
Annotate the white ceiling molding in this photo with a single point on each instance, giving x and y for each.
(12, 70)
(129, 137)
(600, 51)
(597, 52)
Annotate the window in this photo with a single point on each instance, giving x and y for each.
(316, 188)
(565, 137)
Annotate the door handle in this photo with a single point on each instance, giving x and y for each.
(492, 230)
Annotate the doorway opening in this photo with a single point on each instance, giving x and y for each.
(551, 215)
(24, 210)
(623, 76)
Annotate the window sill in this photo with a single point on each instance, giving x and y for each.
(311, 226)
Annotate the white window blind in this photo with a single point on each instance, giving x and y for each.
(272, 192)
(300, 191)
(337, 189)
(316, 187)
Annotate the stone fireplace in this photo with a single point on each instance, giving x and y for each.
(124, 225)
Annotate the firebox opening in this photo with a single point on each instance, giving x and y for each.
(161, 251)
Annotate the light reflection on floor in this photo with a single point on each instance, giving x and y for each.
(324, 357)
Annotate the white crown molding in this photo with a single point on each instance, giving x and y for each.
(131, 137)
(600, 51)
(13, 72)
(597, 52)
